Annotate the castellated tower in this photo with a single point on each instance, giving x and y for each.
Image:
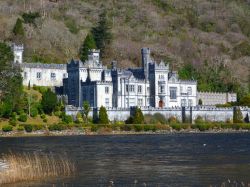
(18, 53)
(145, 54)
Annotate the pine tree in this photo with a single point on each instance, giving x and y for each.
(246, 119)
(11, 88)
(86, 109)
(102, 33)
(18, 29)
(237, 115)
(103, 116)
(138, 116)
(89, 43)
(49, 101)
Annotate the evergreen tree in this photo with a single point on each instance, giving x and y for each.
(237, 115)
(138, 116)
(246, 119)
(49, 101)
(103, 116)
(18, 29)
(89, 43)
(86, 109)
(102, 33)
(11, 88)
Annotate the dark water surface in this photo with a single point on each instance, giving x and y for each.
(154, 160)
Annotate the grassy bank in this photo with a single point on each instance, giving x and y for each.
(92, 129)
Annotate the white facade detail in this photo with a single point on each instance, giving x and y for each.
(152, 85)
(38, 73)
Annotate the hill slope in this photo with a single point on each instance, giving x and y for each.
(211, 36)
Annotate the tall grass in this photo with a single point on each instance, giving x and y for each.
(26, 167)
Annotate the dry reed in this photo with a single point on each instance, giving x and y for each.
(26, 167)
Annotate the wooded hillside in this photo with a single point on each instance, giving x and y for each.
(208, 40)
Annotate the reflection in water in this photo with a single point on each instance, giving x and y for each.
(163, 160)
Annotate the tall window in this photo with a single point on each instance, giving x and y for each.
(139, 89)
(190, 102)
(183, 102)
(126, 87)
(38, 75)
(53, 76)
(173, 92)
(189, 90)
(140, 102)
(106, 90)
(161, 89)
(107, 102)
(127, 102)
(131, 88)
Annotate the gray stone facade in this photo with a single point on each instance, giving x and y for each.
(214, 98)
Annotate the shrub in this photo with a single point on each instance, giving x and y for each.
(203, 127)
(30, 17)
(126, 127)
(43, 116)
(28, 127)
(38, 127)
(242, 49)
(71, 24)
(23, 117)
(150, 128)
(13, 119)
(33, 112)
(103, 116)
(159, 118)
(176, 126)
(94, 128)
(129, 120)
(199, 120)
(138, 117)
(20, 128)
(45, 120)
(7, 128)
(207, 26)
(57, 127)
(67, 119)
(138, 127)
(172, 119)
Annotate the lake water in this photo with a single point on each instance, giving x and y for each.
(143, 160)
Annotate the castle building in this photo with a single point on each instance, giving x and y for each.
(151, 85)
(39, 74)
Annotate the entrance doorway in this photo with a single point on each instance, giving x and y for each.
(161, 104)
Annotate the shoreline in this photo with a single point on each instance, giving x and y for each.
(84, 133)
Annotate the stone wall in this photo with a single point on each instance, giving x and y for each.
(207, 113)
(213, 98)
